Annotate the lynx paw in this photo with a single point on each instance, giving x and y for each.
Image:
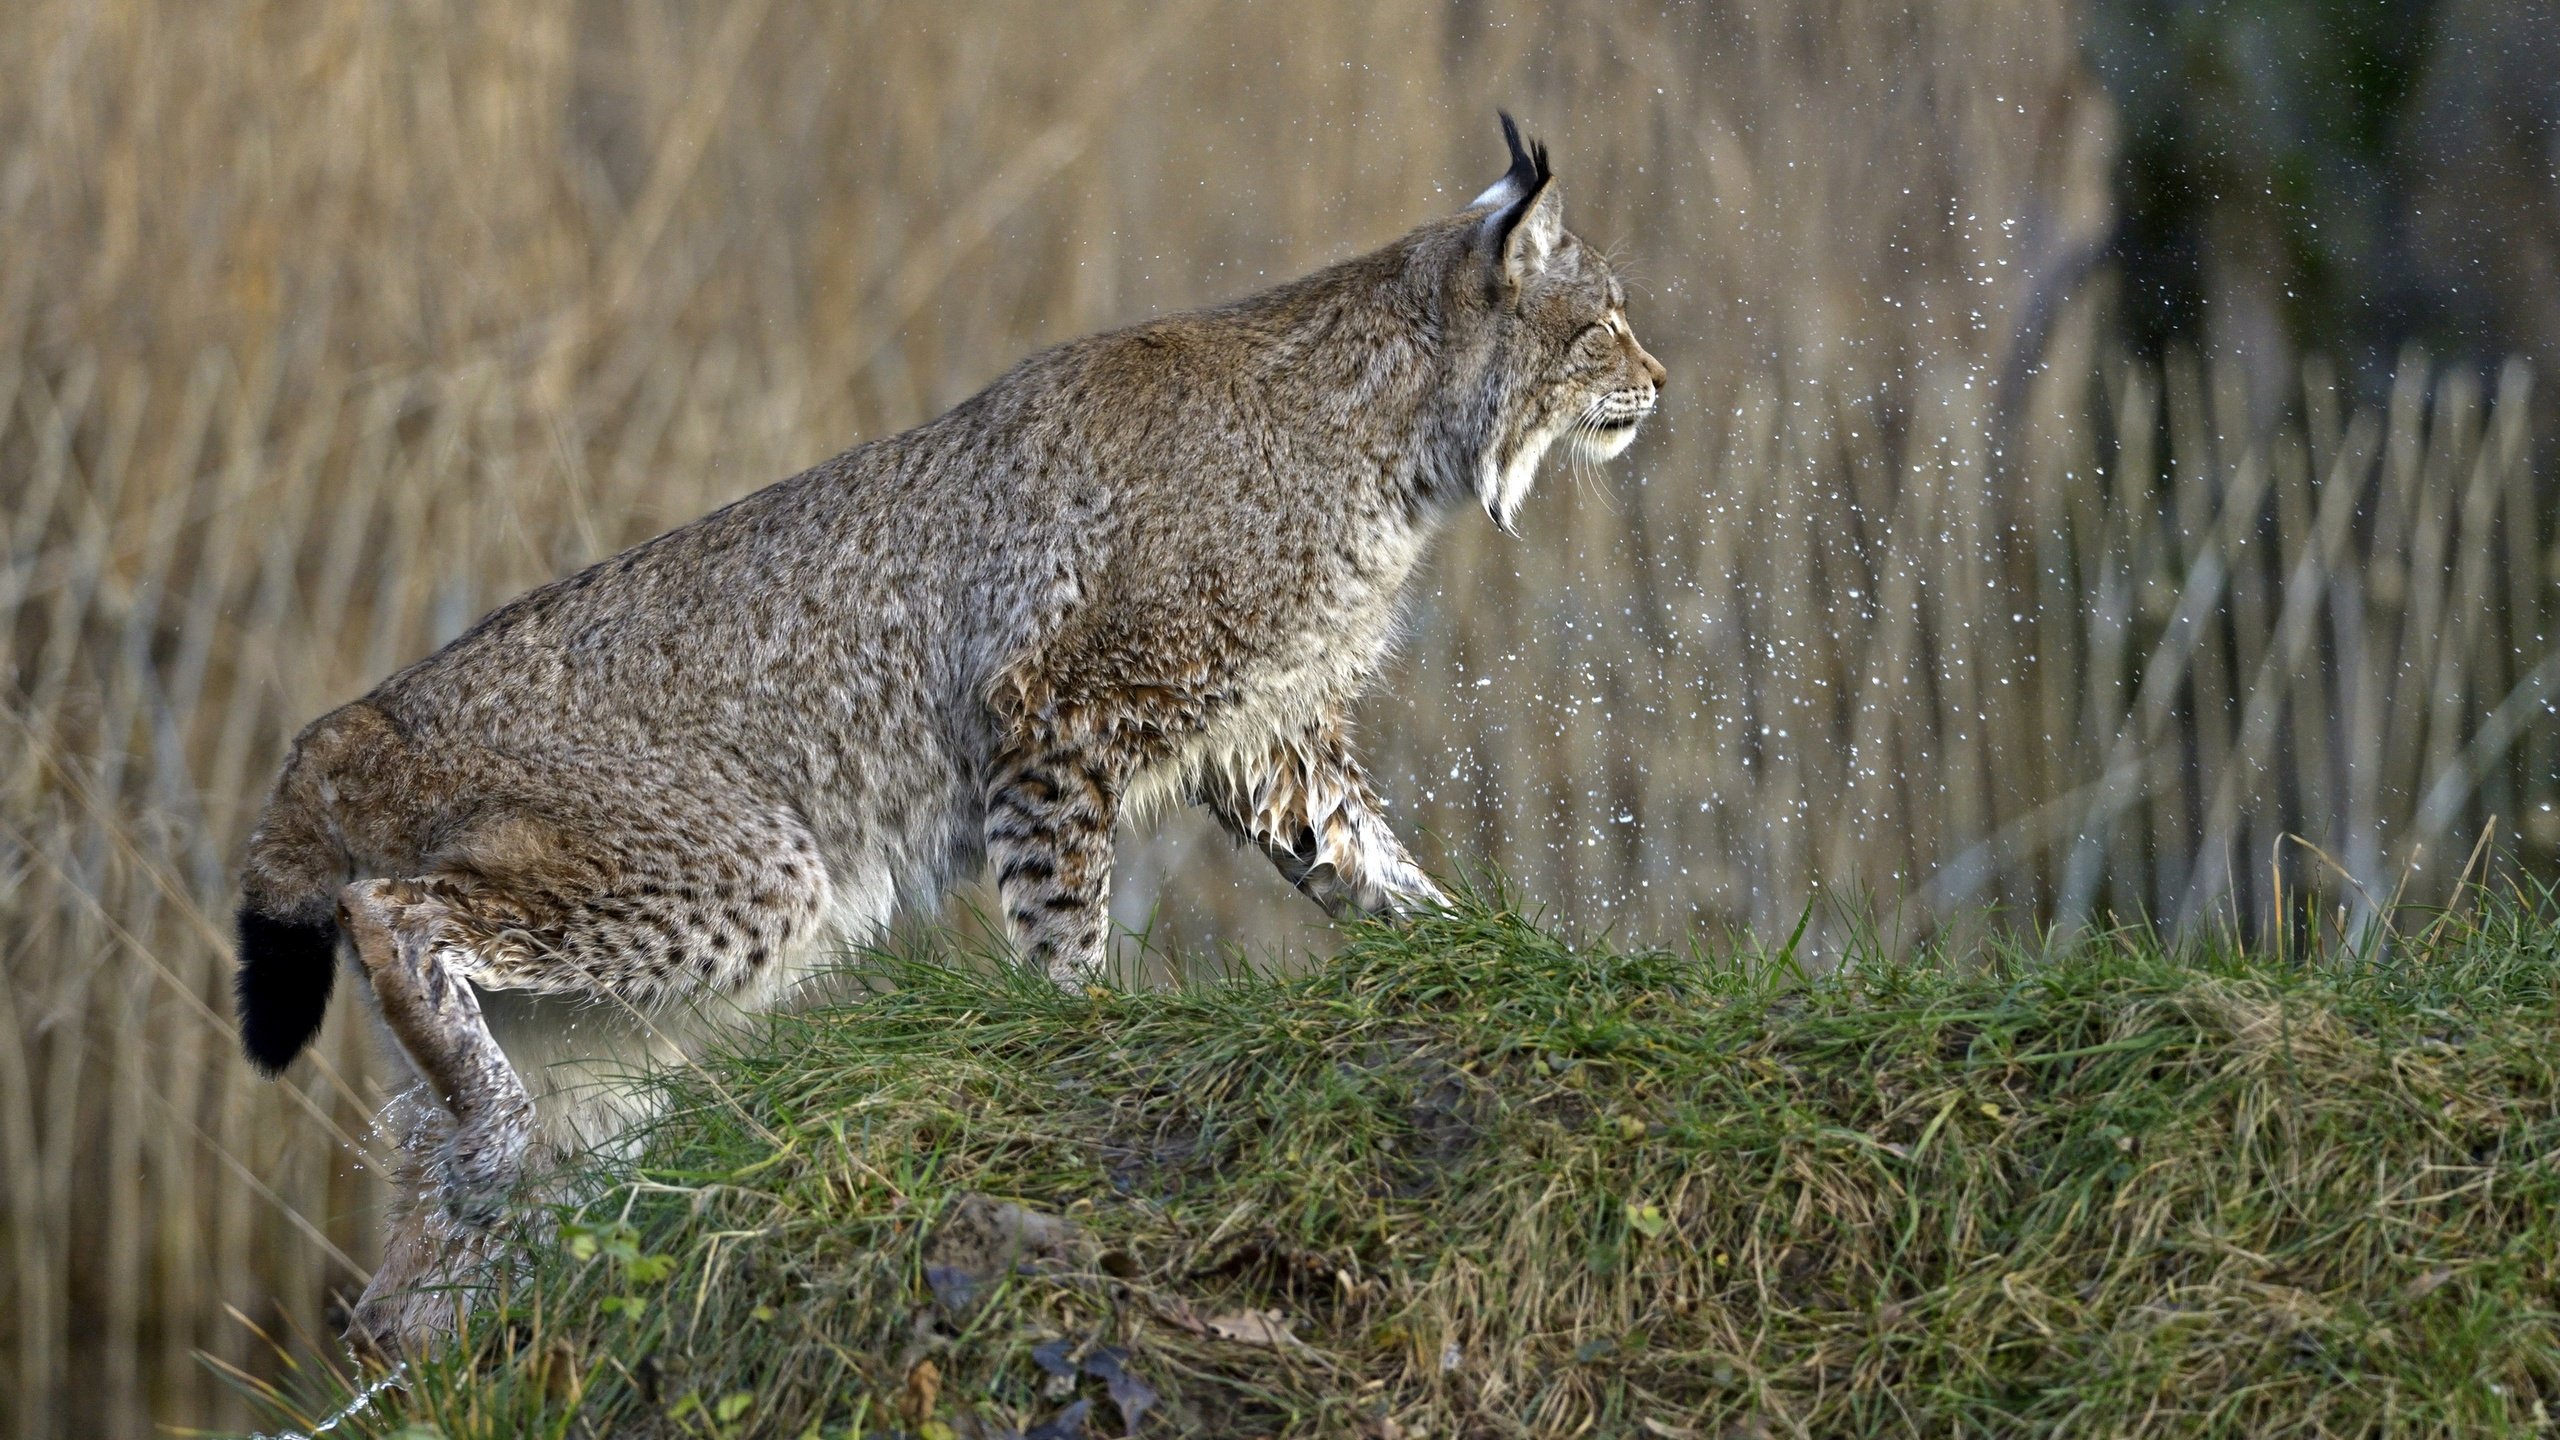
(1415, 897)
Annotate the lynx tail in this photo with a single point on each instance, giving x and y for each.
(289, 892)
(287, 966)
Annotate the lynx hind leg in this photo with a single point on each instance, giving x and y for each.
(417, 952)
(680, 906)
(1051, 807)
(433, 1267)
(629, 914)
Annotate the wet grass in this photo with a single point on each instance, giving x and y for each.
(1471, 1180)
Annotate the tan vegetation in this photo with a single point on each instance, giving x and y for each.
(323, 328)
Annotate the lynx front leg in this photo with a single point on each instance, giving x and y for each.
(1050, 809)
(1307, 805)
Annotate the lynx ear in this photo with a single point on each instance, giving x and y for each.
(1528, 218)
(1535, 228)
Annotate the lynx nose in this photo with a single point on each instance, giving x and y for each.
(1652, 368)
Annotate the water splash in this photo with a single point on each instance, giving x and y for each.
(362, 1402)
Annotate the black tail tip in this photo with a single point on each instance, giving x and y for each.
(282, 991)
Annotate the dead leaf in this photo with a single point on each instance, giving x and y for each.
(1268, 1329)
(1063, 1361)
(924, 1390)
(1067, 1424)
(1131, 1396)
(1177, 1312)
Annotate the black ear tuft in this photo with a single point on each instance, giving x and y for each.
(1528, 159)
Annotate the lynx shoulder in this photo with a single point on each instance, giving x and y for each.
(1155, 564)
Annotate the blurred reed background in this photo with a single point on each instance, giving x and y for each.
(324, 327)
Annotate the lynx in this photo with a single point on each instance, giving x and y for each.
(1156, 564)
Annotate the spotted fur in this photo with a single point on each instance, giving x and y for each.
(1155, 564)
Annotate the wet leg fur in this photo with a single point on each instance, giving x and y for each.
(1306, 804)
(433, 1267)
(416, 952)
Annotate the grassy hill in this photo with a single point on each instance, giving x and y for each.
(1472, 1180)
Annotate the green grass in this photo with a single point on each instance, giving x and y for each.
(1496, 1184)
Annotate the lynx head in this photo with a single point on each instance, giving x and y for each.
(1539, 344)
